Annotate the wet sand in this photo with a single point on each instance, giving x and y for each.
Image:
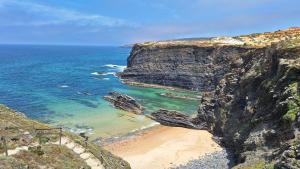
(164, 147)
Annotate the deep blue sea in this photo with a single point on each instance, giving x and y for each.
(59, 85)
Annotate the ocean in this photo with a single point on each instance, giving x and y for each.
(59, 85)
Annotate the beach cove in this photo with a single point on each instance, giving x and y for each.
(64, 86)
(61, 86)
(164, 147)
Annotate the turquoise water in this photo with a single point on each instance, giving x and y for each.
(58, 85)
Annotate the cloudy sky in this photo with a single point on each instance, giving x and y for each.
(117, 22)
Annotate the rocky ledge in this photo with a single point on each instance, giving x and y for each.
(174, 118)
(124, 102)
(171, 95)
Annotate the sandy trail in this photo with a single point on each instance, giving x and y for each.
(164, 147)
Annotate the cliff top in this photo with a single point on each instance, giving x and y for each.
(31, 144)
(252, 40)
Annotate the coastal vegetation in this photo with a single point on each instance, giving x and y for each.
(30, 150)
(293, 103)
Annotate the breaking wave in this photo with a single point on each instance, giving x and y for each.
(119, 68)
(103, 73)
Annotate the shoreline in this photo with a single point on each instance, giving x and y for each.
(163, 147)
(130, 135)
(140, 131)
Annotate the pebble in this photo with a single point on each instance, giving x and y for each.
(221, 159)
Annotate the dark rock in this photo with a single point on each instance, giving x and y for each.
(124, 102)
(288, 158)
(174, 118)
(100, 73)
(171, 95)
(221, 159)
(186, 66)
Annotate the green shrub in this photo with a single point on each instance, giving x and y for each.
(293, 104)
(37, 150)
(257, 165)
(271, 165)
(43, 139)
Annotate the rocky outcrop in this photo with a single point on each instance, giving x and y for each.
(250, 90)
(174, 118)
(124, 102)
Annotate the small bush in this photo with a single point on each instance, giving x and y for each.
(37, 150)
(256, 165)
(44, 140)
(293, 104)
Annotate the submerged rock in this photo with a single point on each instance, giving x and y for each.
(171, 95)
(124, 102)
(174, 118)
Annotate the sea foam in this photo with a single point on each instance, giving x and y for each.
(145, 127)
(107, 73)
(64, 86)
(119, 68)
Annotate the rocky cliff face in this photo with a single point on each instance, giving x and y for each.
(250, 88)
(187, 66)
(255, 107)
(195, 65)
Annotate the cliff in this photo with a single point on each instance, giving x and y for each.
(250, 87)
(195, 64)
(28, 148)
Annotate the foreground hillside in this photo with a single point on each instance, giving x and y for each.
(29, 148)
(250, 87)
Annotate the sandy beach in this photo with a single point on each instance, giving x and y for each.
(164, 147)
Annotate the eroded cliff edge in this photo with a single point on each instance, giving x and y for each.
(250, 88)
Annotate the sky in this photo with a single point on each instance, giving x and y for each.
(119, 22)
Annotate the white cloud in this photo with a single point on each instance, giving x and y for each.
(48, 15)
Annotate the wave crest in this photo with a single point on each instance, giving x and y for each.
(104, 73)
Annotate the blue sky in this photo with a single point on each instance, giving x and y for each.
(117, 22)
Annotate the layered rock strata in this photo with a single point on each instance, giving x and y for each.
(174, 118)
(124, 102)
(195, 64)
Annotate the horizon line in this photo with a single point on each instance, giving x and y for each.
(59, 44)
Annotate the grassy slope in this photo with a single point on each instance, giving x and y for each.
(20, 130)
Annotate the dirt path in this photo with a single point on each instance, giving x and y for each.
(88, 157)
